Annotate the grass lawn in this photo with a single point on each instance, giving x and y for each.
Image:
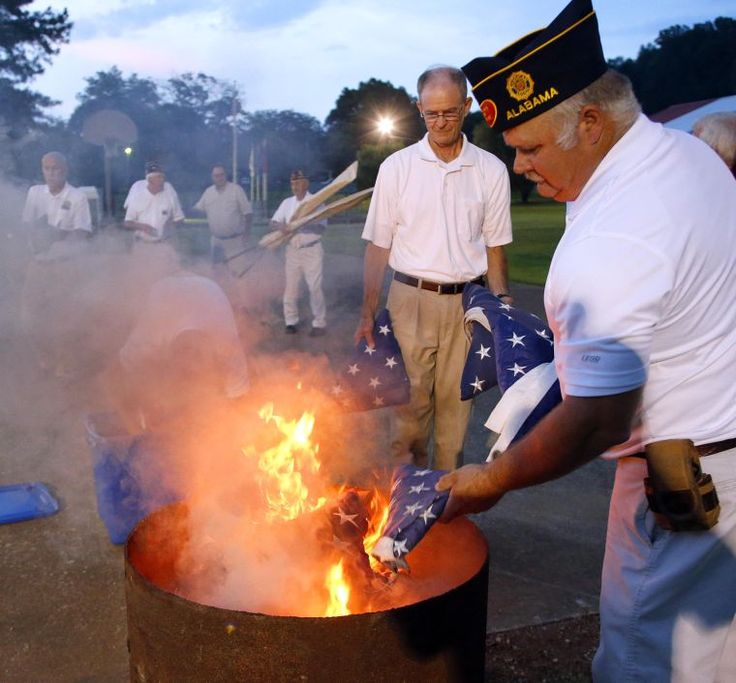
(537, 227)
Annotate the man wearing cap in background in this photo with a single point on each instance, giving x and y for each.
(304, 257)
(56, 210)
(152, 206)
(640, 299)
(439, 216)
(229, 215)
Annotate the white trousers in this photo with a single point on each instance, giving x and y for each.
(668, 599)
(304, 256)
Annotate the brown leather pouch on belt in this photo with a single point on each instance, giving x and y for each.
(681, 496)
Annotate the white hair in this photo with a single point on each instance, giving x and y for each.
(56, 156)
(612, 92)
(718, 130)
(443, 71)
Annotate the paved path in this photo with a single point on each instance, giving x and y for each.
(62, 614)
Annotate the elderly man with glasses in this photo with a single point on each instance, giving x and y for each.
(439, 218)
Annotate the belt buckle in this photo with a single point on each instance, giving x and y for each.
(439, 288)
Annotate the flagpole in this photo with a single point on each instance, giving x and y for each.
(235, 110)
(252, 172)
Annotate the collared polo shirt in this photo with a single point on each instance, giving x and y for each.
(156, 210)
(68, 210)
(641, 287)
(437, 217)
(224, 209)
(288, 208)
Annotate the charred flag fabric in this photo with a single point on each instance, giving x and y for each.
(374, 376)
(523, 363)
(414, 506)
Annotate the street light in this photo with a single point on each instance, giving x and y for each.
(385, 126)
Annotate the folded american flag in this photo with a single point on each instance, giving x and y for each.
(414, 507)
(374, 376)
(523, 351)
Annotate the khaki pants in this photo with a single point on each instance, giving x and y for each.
(429, 329)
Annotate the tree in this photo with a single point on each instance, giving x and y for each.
(684, 65)
(137, 97)
(207, 97)
(284, 141)
(352, 122)
(188, 108)
(493, 142)
(370, 157)
(28, 40)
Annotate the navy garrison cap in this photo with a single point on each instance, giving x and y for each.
(154, 167)
(540, 70)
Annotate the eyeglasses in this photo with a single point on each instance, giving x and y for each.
(449, 115)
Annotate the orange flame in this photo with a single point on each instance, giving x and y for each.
(286, 465)
(339, 592)
(379, 507)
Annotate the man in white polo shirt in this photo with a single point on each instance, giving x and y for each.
(229, 215)
(640, 297)
(53, 307)
(439, 217)
(55, 210)
(152, 206)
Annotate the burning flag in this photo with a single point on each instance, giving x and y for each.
(414, 507)
(374, 376)
(523, 367)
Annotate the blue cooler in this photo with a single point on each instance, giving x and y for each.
(129, 470)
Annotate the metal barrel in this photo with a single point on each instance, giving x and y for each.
(441, 638)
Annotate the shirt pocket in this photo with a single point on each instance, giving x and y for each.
(66, 216)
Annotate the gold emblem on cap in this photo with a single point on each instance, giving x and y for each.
(520, 85)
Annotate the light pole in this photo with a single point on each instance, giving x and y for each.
(235, 111)
(128, 151)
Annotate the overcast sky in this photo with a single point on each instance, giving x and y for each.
(300, 54)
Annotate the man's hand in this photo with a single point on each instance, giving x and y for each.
(472, 489)
(376, 259)
(365, 329)
(142, 227)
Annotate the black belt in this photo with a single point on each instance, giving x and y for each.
(230, 237)
(436, 287)
(704, 449)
